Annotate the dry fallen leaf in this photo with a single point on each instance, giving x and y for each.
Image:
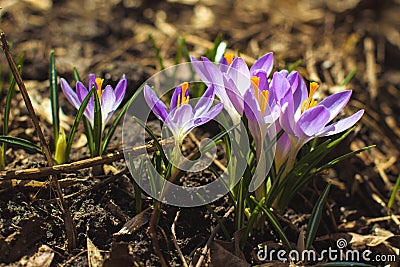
(94, 256)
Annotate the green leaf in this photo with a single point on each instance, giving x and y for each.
(278, 228)
(55, 108)
(349, 77)
(157, 50)
(182, 50)
(316, 216)
(294, 65)
(89, 136)
(155, 139)
(97, 125)
(78, 118)
(77, 78)
(10, 94)
(116, 121)
(23, 143)
(394, 192)
(341, 158)
(253, 217)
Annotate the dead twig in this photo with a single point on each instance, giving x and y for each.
(69, 224)
(35, 173)
(175, 241)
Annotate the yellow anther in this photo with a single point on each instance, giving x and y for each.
(182, 98)
(229, 57)
(263, 101)
(255, 81)
(99, 82)
(310, 102)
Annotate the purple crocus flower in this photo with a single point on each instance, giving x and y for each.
(304, 119)
(181, 118)
(233, 78)
(109, 98)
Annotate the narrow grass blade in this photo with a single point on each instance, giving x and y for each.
(10, 94)
(394, 192)
(316, 216)
(349, 77)
(294, 65)
(341, 158)
(253, 217)
(275, 224)
(182, 51)
(78, 118)
(157, 50)
(155, 139)
(77, 78)
(97, 125)
(118, 118)
(55, 108)
(20, 142)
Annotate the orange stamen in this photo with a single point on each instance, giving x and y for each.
(310, 102)
(99, 82)
(229, 58)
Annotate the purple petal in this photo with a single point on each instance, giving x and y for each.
(211, 114)
(265, 63)
(300, 92)
(312, 121)
(180, 119)
(156, 105)
(234, 95)
(89, 111)
(92, 81)
(341, 125)
(120, 91)
(174, 99)
(279, 86)
(286, 119)
(263, 84)
(205, 102)
(81, 91)
(70, 94)
(251, 106)
(240, 74)
(107, 103)
(208, 72)
(336, 102)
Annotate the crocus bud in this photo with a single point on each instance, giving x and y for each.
(61, 146)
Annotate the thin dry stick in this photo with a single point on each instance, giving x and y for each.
(35, 173)
(69, 225)
(211, 238)
(175, 241)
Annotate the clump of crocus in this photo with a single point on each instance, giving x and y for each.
(181, 117)
(101, 105)
(304, 119)
(109, 98)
